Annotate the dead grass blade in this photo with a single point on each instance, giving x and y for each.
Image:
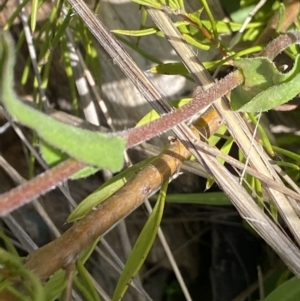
(257, 157)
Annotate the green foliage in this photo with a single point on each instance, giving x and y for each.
(105, 191)
(84, 283)
(142, 245)
(239, 10)
(54, 156)
(210, 198)
(288, 291)
(34, 10)
(30, 288)
(95, 148)
(264, 86)
(55, 286)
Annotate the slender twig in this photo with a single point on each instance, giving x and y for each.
(119, 205)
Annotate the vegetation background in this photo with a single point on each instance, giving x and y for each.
(204, 249)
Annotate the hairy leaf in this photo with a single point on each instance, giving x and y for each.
(264, 86)
(95, 148)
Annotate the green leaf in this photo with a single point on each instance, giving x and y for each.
(94, 148)
(196, 43)
(142, 246)
(55, 286)
(288, 291)
(34, 9)
(264, 86)
(86, 281)
(105, 191)
(150, 3)
(209, 198)
(225, 149)
(222, 27)
(87, 252)
(263, 135)
(178, 68)
(32, 286)
(195, 17)
(136, 33)
(53, 156)
(169, 68)
(217, 136)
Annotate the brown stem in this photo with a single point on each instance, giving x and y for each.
(65, 248)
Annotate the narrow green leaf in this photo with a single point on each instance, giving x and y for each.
(9, 246)
(136, 33)
(263, 135)
(86, 281)
(214, 139)
(259, 193)
(34, 9)
(17, 10)
(87, 252)
(142, 245)
(222, 27)
(281, 13)
(225, 149)
(82, 289)
(286, 152)
(286, 164)
(211, 19)
(209, 198)
(95, 148)
(14, 264)
(169, 68)
(178, 68)
(105, 191)
(143, 21)
(181, 4)
(70, 75)
(150, 3)
(55, 286)
(195, 17)
(196, 43)
(61, 29)
(173, 4)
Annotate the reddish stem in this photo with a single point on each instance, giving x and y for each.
(44, 182)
